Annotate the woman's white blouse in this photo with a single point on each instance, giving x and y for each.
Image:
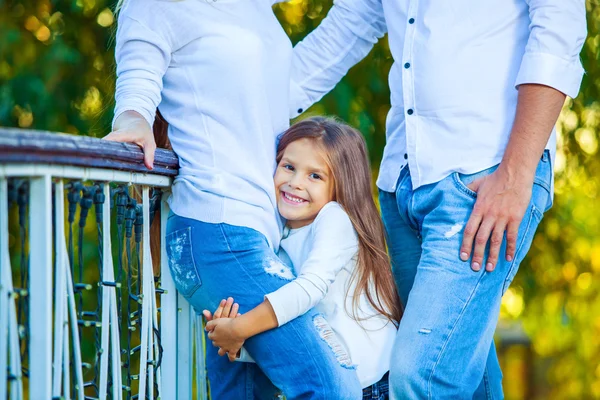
(219, 72)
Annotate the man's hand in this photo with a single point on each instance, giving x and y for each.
(131, 127)
(503, 196)
(502, 200)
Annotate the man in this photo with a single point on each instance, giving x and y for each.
(476, 88)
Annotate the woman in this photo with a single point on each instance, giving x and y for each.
(220, 71)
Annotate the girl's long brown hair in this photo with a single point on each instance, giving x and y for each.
(346, 154)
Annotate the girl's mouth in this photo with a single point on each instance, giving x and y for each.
(291, 199)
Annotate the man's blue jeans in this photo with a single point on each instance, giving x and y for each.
(444, 348)
(210, 262)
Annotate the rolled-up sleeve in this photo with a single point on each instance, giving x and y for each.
(343, 38)
(142, 57)
(335, 244)
(557, 34)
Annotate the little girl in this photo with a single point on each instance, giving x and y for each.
(334, 238)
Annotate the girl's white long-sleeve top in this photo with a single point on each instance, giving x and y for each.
(323, 255)
(219, 72)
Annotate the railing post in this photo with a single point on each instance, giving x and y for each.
(200, 359)
(60, 298)
(3, 287)
(168, 315)
(110, 318)
(184, 349)
(40, 294)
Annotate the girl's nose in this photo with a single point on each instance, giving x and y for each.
(295, 181)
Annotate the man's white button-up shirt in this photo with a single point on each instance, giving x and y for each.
(457, 66)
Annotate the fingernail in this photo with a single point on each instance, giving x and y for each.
(464, 256)
(476, 266)
(489, 267)
(509, 258)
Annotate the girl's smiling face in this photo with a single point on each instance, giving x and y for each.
(303, 183)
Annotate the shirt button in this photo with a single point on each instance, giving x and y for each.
(410, 111)
(407, 65)
(405, 156)
(300, 111)
(411, 21)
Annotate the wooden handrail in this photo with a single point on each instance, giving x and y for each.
(34, 146)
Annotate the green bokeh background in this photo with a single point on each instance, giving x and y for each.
(57, 73)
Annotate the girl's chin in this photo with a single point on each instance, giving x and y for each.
(290, 216)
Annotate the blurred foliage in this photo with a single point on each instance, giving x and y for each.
(57, 73)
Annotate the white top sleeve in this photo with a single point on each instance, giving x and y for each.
(245, 356)
(343, 38)
(334, 244)
(557, 34)
(142, 55)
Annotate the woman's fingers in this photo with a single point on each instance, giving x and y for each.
(149, 149)
(207, 314)
(144, 139)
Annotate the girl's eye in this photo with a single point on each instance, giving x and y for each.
(315, 176)
(288, 167)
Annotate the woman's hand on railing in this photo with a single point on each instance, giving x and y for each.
(131, 127)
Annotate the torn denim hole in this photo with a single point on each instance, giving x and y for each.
(275, 267)
(453, 230)
(425, 331)
(327, 334)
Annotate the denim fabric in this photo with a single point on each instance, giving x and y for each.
(444, 348)
(379, 390)
(210, 262)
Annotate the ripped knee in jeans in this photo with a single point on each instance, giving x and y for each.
(329, 336)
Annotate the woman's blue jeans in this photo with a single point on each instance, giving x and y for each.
(444, 348)
(210, 262)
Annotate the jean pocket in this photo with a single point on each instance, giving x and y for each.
(181, 261)
(533, 218)
(461, 181)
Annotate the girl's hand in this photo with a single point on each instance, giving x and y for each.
(224, 334)
(131, 127)
(227, 309)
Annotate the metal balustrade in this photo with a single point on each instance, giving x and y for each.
(84, 314)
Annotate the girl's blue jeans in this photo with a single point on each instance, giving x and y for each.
(444, 348)
(379, 390)
(210, 262)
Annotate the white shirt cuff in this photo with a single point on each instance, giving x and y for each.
(299, 101)
(550, 70)
(278, 301)
(245, 356)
